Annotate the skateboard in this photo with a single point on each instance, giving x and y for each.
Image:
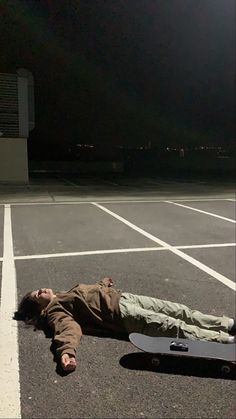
(223, 352)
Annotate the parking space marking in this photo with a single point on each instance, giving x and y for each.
(89, 252)
(203, 212)
(221, 278)
(129, 250)
(161, 200)
(121, 201)
(9, 359)
(26, 204)
(203, 246)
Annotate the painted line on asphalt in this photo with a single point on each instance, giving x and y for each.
(22, 204)
(9, 357)
(89, 252)
(162, 200)
(203, 212)
(204, 246)
(221, 278)
(129, 250)
(116, 201)
(203, 199)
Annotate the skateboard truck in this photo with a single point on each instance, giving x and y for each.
(178, 346)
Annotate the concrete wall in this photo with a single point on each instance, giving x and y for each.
(13, 160)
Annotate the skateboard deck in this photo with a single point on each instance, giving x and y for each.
(185, 348)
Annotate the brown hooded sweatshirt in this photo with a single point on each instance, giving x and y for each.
(83, 307)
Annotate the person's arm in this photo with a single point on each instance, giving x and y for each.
(67, 335)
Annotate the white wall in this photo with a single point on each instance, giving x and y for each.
(13, 160)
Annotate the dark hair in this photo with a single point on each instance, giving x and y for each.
(29, 311)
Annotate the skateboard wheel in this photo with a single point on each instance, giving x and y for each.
(225, 369)
(156, 362)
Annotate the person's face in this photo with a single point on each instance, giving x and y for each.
(43, 296)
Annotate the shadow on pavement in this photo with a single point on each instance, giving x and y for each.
(178, 365)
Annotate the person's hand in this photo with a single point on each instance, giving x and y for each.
(107, 282)
(110, 283)
(68, 362)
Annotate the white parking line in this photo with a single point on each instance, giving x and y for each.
(129, 250)
(160, 200)
(119, 201)
(226, 281)
(203, 212)
(203, 246)
(9, 364)
(89, 252)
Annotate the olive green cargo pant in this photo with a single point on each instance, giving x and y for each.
(155, 317)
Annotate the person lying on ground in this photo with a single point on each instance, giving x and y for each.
(102, 307)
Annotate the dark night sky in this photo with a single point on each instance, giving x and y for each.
(125, 71)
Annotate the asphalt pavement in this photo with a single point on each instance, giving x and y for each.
(68, 230)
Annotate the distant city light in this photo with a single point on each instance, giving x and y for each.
(85, 145)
